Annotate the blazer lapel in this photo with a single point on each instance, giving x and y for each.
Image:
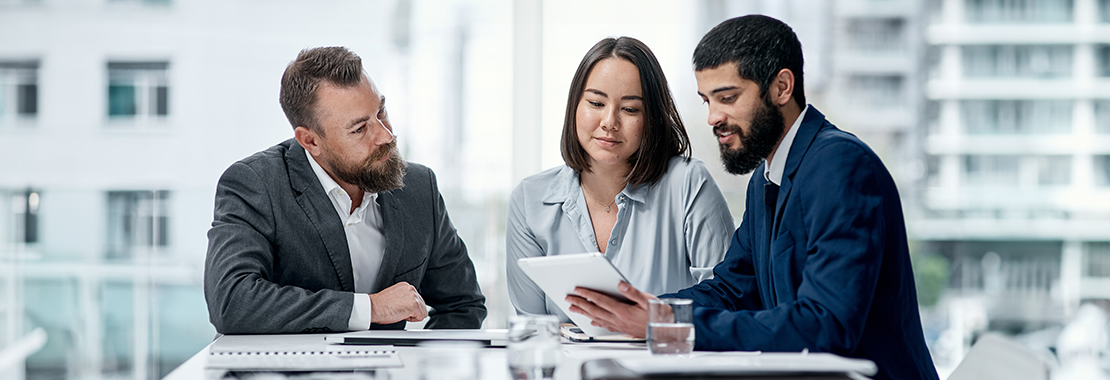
(393, 231)
(807, 132)
(316, 205)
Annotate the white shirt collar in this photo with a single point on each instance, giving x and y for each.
(774, 169)
(338, 196)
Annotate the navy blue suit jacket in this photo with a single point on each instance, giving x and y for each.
(837, 278)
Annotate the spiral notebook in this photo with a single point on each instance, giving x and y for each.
(295, 353)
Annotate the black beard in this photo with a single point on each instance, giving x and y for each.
(766, 129)
(389, 176)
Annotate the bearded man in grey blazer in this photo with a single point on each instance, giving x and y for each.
(332, 230)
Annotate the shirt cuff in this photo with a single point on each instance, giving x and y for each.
(360, 313)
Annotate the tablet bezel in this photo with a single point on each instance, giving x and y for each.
(558, 275)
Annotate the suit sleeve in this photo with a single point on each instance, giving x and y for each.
(841, 219)
(707, 223)
(520, 242)
(450, 284)
(239, 269)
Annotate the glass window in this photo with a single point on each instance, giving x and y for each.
(1102, 116)
(1102, 60)
(138, 89)
(1019, 11)
(1016, 116)
(875, 35)
(25, 216)
(1104, 10)
(1018, 61)
(991, 170)
(1053, 170)
(1098, 259)
(137, 220)
(19, 90)
(876, 91)
(1102, 170)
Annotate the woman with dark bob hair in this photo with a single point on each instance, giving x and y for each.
(629, 187)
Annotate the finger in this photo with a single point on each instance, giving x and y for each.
(589, 309)
(601, 300)
(634, 294)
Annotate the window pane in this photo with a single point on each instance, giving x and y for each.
(1021, 61)
(161, 100)
(991, 170)
(1102, 116)
(1104, 10)
(876, 91)
(1019, 11)
(1098, 259)
(121, 100)
(875, 35)
(1054, 170)
(1017, 116)
(1102, 53)
(28, 99)
(1102, 170)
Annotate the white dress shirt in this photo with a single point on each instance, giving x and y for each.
(774, 169)
(363, 228)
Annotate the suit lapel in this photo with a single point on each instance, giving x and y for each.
(807, 132)
(393, 231)
(316, 205)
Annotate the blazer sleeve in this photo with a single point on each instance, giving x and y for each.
(842, 222)
(707, 222)
(239, 273)
(450, 284)
(520, 242)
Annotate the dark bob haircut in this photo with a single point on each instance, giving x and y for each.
(302, 78)
(664, 134)
(761, 46)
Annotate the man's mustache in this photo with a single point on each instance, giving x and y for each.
(383, 151)
(725, 128)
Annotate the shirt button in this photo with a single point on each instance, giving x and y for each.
(613, 242)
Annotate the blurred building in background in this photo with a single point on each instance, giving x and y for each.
(1017, 150)
(118, 116)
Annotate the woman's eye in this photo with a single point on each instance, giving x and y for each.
(595, 104)
(631, 110)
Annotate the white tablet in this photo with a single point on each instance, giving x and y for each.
(559, 275)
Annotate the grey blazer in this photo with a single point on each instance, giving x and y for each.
(278, 260)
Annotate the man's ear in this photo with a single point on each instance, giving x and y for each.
(782, 88)
(308, 139)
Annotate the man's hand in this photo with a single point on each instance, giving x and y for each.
(611, 314)
(400, 302)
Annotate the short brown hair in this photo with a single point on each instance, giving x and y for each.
(664, 134)
(302, 77)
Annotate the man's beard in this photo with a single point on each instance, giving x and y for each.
(766, 129)
(386, 176)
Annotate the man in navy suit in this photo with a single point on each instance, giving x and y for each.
(820, 261)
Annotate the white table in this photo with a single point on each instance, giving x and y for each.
(492, 361)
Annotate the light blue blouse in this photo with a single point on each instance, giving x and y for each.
(667, 236)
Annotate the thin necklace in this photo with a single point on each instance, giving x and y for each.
(598, 200)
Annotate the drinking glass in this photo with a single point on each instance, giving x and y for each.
(670, 329)
(449, 360)
(533, 347)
